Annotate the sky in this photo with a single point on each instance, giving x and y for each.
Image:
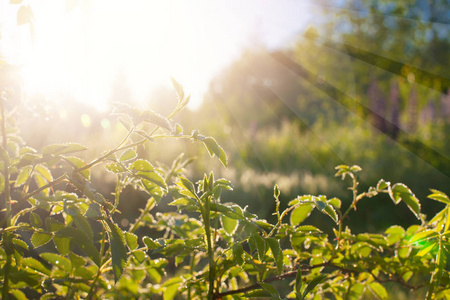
(81, 47)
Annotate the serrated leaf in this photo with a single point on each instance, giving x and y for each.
(276, 251)
(329, 210)
(187, 187)
(80, 239)
(141, 165)
(57, 149)
(57, 260)
(35, 220)
(154, 177)
(423, 236)
(53, 225)
(139, 255)
(270, 289)
(300, 213)
(118, 249)
(401, 192)
(23, 176)
(76, 260)
(131, 239)
(439, 196)
(62, 244)
(44, 172)
(378, 290)
(115, 167)
(94, 211)
(156, 119)
(78, 163)
(229, 225)
(260, 246)
(128, 155)
(382, 185)
(36, 265)
(214, 149)
(150, 243)
(20, 243)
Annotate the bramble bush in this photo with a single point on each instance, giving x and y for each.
(61, 238)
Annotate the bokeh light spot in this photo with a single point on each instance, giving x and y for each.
(85, 120)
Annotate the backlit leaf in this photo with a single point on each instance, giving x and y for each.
(401, 192)
(40, 238)
(118, 249)
(300, 213)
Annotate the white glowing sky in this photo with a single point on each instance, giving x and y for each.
(82, 51)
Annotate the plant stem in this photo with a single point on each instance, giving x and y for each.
(7, 194)
(205, 210)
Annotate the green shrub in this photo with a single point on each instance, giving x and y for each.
(61, 238)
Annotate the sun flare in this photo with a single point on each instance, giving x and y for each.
(82, 51)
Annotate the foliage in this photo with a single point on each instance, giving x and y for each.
(61, 237)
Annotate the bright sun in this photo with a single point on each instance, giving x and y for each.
(81, 48)
(82, 51)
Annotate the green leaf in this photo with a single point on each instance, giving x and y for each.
(156, 119)
(23, 176)
(154, 177)
(179, 89)
(40, 238)
(131, 239)
(18, 294)
(214, 149)
(57, 260)
(78, 163)
(35, 220)
(85, 244)
(128, 155)
(300, 213)
(171, 288)
(62, 244)
(423, 236)
(141, 165)
(76, 260)
(229, 225)
(36, 265)
(53, 225)
(401, 192)
(378, 290)
(277, 253)
(382, 185)
(20, 243)
(187, 187)
(439, 196)
(44, 172)
(317, 280)
(115, 167)
(270, 289)
(238, 253)
(57, 149)
(260, 246)
(298, 284)
(139, 255)
(118, 249)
